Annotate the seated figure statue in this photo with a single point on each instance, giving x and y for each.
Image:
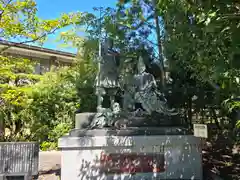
(147, 94)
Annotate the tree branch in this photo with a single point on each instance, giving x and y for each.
(28, 41)
(1, 14)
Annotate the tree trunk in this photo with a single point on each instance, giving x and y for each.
(189, 111)
(214, 114)
(160, 45)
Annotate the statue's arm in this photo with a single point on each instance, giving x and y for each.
(151, 84)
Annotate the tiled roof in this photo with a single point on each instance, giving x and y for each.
(36, 48)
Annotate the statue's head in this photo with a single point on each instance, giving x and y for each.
(130, 65)
(116, 108)
(141, 65)
(108, 44)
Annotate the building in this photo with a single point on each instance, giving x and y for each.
(45, 57)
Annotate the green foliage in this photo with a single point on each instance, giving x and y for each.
(15, 82)
(238, 124)
(35, 107)
(53, 135)
(53, 100)
(199, 36)
(201, 47)
(230, 105)
(48, 146)
(43, 108)
(199, 40)
(18, 19)
(85, 80)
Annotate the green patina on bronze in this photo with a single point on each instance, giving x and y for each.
(138, 87)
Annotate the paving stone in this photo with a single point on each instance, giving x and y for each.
(49, 165)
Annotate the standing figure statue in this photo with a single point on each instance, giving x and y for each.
(147, 94)
(107, 83)
(107, 80)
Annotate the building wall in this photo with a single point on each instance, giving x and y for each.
(43, 60)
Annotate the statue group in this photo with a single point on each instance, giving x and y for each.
(141, 99)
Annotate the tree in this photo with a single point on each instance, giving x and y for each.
(130, 26)
(54, 100)
(199, 40)
(16, 80)
(19, 22)
(143, 20)
(36, 107)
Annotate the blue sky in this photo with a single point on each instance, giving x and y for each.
(48, 9)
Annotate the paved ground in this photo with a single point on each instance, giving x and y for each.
(49, 165)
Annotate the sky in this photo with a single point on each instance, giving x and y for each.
(50, 9)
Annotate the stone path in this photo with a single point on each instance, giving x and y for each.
(49, 165)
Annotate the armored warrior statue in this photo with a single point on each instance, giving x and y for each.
(107, 79)
(107, 83)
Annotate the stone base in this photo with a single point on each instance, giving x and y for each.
(144, 153)
(83, 120)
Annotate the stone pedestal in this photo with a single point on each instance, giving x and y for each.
(134, 153)
(83, 120)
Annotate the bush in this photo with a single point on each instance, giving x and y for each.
(55, 99)
(53, 102)
(43, 108)
(58, 131)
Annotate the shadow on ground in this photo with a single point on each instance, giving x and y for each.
(53, 174)
(222, 157)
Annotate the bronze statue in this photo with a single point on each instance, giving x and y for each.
(139, 87)
(107, 81)
(147, 93)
